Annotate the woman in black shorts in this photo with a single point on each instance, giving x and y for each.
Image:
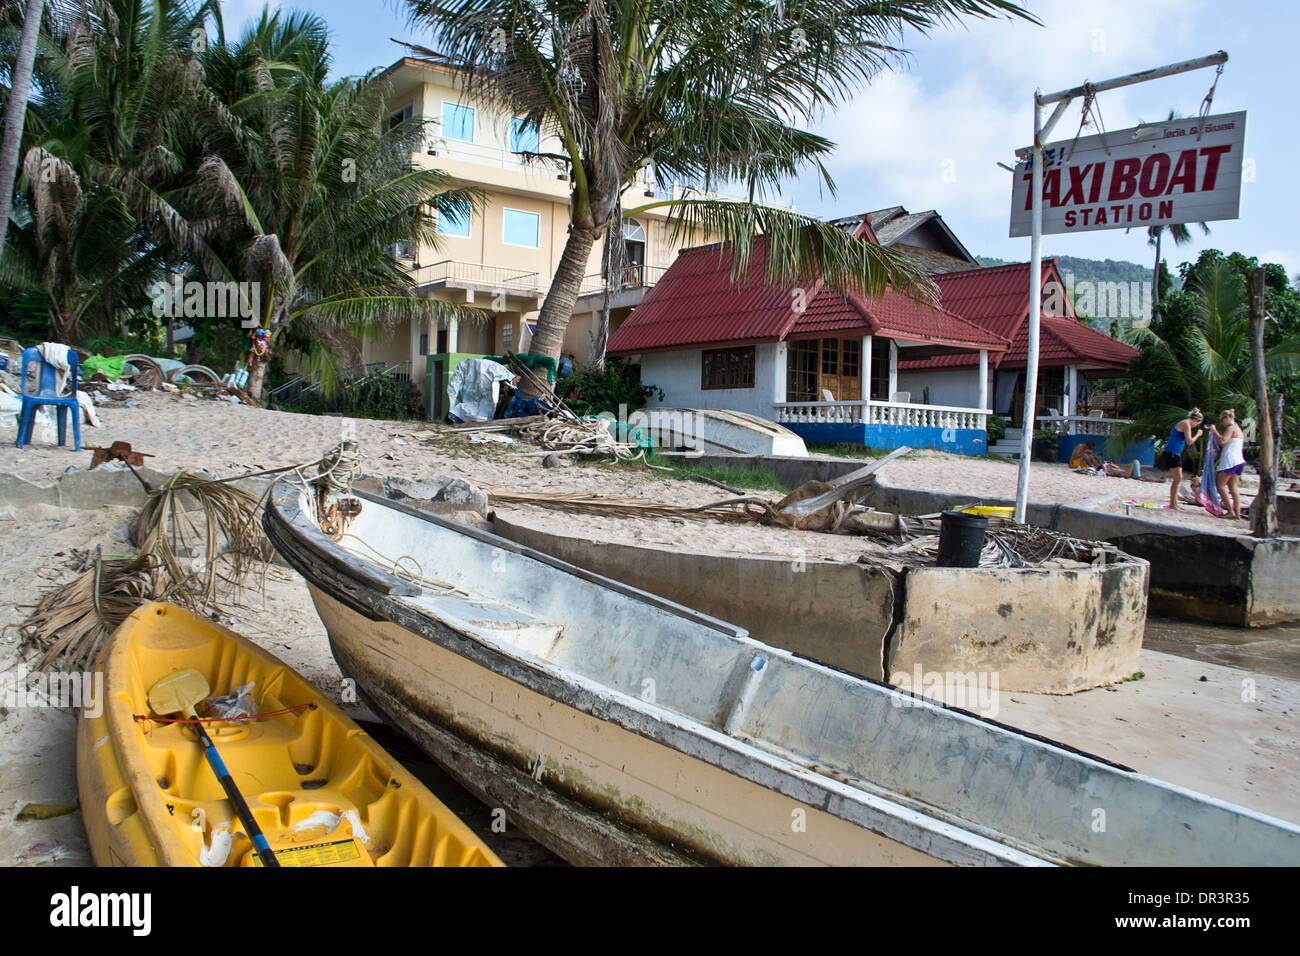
(1171, 459)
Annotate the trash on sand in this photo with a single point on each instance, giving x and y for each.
(118, 451)
(7, 516)
(46, 811)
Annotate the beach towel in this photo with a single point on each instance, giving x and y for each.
(56, 355)
(1207, 495)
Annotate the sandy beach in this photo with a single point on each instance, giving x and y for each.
(1186, 721)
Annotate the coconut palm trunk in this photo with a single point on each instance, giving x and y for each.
(16, 111)
(557, 309)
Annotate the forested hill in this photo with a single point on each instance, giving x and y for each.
(1090, 270)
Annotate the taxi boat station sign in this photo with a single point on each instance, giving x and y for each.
(1177, 171)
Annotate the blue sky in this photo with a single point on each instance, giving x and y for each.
(929, 135)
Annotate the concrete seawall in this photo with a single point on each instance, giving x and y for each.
(1197, 574)
(1043, 631)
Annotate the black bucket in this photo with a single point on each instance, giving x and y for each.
(961, 539)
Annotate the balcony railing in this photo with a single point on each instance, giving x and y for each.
(476, 274)
(1081, 424)
(879, 413)
(633, 277)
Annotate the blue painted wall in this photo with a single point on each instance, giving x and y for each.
(1144, 452)
(959, 441)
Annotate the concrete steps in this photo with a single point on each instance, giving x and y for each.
(1009, 444)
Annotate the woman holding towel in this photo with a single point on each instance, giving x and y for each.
(1231, 462)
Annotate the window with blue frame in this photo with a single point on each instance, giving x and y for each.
(458, 122)
(450, 223)
(524, 137)
(519, 228)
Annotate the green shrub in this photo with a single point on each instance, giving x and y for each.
(591, 390)
(994, 429)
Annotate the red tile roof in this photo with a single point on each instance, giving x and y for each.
(696, 304)
(893, 316)
(997, 299)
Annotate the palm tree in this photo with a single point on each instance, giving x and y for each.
(1178, 232)
(78, 244)
(1181, 235)
(304, 193)
(1210, 367)
(118, 75)
(702, 93)
(16, 110)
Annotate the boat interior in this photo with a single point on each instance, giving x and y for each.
(321, 790)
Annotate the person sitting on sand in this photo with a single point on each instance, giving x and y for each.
(1085, 456)
(1132, 470)
(1231, 462)
(1171, 459)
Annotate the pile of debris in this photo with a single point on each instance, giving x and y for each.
(557, 430)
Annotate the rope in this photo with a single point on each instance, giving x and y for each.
(340, 466)
(421, 578)
(584, 435)
(1206, 103)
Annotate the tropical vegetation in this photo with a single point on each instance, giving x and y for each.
(158, 151)
(1196, 351)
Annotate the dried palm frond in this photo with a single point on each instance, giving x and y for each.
(228, 533)
(70, 623)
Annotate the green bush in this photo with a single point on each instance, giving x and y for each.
(994, 429)
(591, 390)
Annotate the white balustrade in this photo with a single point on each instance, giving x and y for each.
(1081, 424)
(880, 413)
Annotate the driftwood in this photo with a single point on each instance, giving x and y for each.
(818, 505)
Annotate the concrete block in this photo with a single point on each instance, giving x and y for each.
(1053, 631)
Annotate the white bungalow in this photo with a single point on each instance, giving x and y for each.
(823, 364)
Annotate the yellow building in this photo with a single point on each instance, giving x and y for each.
(502, 259)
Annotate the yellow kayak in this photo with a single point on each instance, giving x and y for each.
(321, 790)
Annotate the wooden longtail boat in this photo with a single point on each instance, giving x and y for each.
(617, 727)
(321, 790)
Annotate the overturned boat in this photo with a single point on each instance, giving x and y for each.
(617, 727)
(716, 431)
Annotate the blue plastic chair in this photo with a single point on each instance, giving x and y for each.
(47, 395)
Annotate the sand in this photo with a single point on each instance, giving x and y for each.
(1171, 724)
